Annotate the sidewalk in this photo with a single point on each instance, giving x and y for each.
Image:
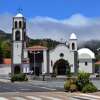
(95, 93)
(5, 80)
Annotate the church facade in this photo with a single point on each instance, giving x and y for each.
(40, 60)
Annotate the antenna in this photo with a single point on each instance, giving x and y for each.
(19, 10)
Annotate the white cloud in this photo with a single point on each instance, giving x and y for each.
(77, 20)
(6, 22)
(46, 27)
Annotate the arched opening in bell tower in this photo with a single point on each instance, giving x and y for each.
(17, 35)
(20, 24)
(73, 46)
(15, 24)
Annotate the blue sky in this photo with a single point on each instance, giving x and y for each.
(58, 18)
(52, 8)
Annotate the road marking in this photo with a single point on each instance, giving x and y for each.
(73, 99)
(25, 89)
(52, 98)
(48, 88)
(83, 98)
(19, 98)
(34, 98)
(93, 96)
(45, 88)
(3, 98)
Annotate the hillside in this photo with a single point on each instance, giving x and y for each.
(5, 36)
(92, 44)
(44, 42)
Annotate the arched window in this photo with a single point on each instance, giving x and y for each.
(86, 63)
(15, 24)
(17, 36)
(20, 24)
(73, 46)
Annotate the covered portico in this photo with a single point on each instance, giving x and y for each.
(38, 59)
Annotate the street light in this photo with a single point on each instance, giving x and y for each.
(34, 60)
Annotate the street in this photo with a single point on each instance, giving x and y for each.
(31, 87)
(40, 90)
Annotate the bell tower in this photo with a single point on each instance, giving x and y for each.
(73, 49)
(73, 42)
(18, 42)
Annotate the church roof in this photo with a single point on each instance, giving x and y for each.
(86, 51)
(73, 36)
(19, 15)
(37, 48)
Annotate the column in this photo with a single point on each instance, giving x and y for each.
(44, 67)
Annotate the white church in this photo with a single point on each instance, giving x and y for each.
(41, 60)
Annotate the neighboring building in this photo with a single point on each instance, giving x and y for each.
(40, 60)
(7, 61)
(86, 60)
(97, 67)
(5, 68)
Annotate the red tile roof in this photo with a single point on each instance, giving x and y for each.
(7, 60)
(97, 63)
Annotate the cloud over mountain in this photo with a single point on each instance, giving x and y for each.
(46, 27)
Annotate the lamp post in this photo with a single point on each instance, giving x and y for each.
(35, 61)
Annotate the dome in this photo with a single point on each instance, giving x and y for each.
(19, 15)
(73, 36)
(86, 51)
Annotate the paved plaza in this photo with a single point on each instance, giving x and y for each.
(42, 90)
(48, 96)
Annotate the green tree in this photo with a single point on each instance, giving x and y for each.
(6, 47)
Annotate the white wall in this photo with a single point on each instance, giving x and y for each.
(55, 56)
(25, 53)
(44, 66)
(88, 68)
(26, 68)
(85, 57)
(17, 52)
(5, 69)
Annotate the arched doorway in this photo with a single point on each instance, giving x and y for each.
(17, 69)
(61, 67)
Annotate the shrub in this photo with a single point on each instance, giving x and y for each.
(67, 85)
(19, 77)
(83, 79)
(89, 88)
(73, 87)
(72, 81)
(70, 84)
(68, 72)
